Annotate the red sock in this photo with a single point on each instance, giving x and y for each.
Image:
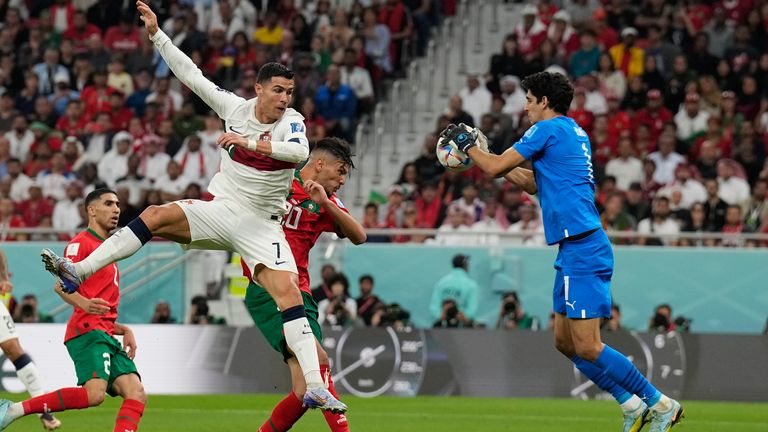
(60, 400)
(337, 422)
(129, 416)
(286, 413)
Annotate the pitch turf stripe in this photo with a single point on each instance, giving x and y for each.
(543, 417)
(61, 400)
(130, 419)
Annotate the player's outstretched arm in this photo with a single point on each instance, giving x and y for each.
(222, 101)
(94, 306)
(496, 165)
(524, 178)
(349, 226)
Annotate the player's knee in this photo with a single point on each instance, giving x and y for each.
(138, 394)
(95, 396)
(152, 217)
(565, 348)
(589, 352)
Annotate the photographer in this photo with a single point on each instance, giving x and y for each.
(391, 315)
(340, 309)
(367, 302)
(661, 321)
(199, 313)
(512, 316)
(452, 317)
(27, 311)
(162, 313)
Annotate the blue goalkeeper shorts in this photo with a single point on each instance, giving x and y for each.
(582, 286)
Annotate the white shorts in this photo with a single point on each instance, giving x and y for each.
(7, 327)
(222, 225)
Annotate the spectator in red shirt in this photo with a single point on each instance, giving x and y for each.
(654, 115)
(80, 31)
(96, 95)
(394, 15)
(578, 112)
(36, 207)
(123, 37)
(606, 35)
(9, 219)
(74, 121)
(430, 207)
(530, 32)
(618, 119)
(562, 33)
(120, 115)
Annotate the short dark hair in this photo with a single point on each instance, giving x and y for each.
(555, 86)
(366, 277)
(273, 69)
(460, 261)
(96, 194)
(337, 147)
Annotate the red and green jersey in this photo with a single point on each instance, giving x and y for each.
(303, 223)
(103, 284)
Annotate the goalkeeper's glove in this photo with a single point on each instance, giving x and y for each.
(462, 138)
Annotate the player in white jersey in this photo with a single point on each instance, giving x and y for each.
(26, 369)
(263, 143)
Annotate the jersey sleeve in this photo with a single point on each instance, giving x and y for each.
(533, 142)
(222, 101)
(290, 143)
(77, 250)
(336, 227)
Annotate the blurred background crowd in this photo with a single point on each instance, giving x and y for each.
(674, 97)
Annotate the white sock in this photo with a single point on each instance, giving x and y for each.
(119, 245)
(663, 405)
(632, 404)
(301, 340)
(15, 411)
(30, 376)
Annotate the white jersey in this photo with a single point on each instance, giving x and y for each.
(246, 177)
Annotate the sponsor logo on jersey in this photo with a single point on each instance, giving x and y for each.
(297, 127)
(235, 130)
(223, 90)
(72, 249)
(338, 202)
(529, 133)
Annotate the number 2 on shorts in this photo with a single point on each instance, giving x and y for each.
(107, 362)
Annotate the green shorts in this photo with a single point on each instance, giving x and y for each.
(99, 355)
(268, 319)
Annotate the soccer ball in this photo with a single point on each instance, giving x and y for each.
(451, 157)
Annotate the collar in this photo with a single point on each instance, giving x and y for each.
(93, 233)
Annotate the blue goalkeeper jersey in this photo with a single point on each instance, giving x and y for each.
(560, 152)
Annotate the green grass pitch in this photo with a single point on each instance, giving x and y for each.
(240, 413)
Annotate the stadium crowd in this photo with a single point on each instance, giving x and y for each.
(673, 95)
(85, 100)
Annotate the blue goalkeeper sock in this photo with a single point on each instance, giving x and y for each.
(601, 379)
(619, 369)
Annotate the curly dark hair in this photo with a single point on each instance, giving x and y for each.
(337, 147)
(556, 87)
